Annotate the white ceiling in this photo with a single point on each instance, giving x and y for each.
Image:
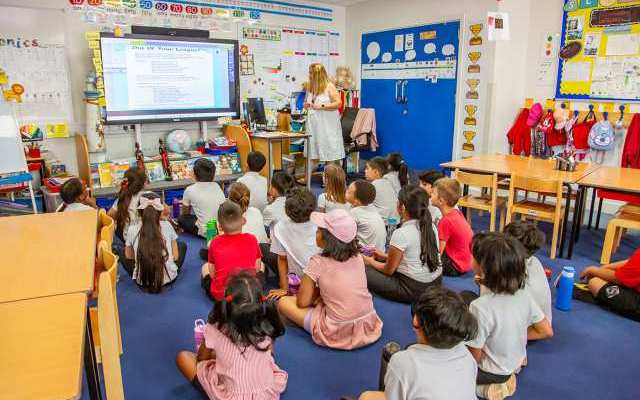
(343, 3)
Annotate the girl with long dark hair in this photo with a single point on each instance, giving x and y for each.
(125, 209)
(154, 253)
(413, 262)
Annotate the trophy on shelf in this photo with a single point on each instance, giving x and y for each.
(468, 145)
(474, 68)
(470, 120)
(476, 40)
(472, 94)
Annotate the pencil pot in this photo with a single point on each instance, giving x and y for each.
(198, 332)
(564, 290)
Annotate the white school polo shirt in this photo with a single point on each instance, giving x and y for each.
(257, 185)
(407, 239)
(204, 198)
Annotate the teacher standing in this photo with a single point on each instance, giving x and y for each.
(323, 119)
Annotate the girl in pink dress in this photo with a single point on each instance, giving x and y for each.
(235, 360)
(333, 303)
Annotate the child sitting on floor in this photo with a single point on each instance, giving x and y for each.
(235, 360)
(537, 284)
(439, 366)
(507, 314)
(386, 197)
(281, 184)
(256, 183)
(203, 198)
(335, 183)
(616, 286)
(413, 262)
(398, 173)
(333, 303)
(239, 193)
(124, 210)
(75, 196)
(153, 253)
(294, 239)
(230, 252)
(454, 231)
(427, 181)
(371, 229)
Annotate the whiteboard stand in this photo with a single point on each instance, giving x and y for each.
(12, 159)
(203, 131)
(138, 131)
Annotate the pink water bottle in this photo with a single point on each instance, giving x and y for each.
(198, 332)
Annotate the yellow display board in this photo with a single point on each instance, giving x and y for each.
(600, 51)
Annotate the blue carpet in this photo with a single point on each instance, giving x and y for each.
(594, 354)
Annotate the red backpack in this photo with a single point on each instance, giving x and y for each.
(519, 135)
(631, 151)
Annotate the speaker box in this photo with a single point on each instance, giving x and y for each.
(152, 30)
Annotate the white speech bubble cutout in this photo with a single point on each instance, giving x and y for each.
(448, 50)
(373, 51)
(410, 55)
(430, 48)
(386, 57)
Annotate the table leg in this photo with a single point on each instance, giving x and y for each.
(583, 203)
(576, 220)
(593, 203)
(308, 168)
(90, 364)
(567, 205)
(599, 213)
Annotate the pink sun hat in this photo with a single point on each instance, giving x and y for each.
(338, 222)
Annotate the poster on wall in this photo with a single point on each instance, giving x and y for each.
(600, 51)
(473, 74)
(277, 61)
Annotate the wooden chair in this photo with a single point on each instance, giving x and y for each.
(617, 226)
(534, 209)
(109, 264)
(107, 228)
(109, 337)
(488, 199)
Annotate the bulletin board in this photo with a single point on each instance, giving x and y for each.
(600, 51)
(274, 60)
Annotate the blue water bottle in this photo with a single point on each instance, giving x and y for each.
(565, 289)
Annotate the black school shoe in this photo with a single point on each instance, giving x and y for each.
(582, 293)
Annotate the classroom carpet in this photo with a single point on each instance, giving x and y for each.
(593, 355)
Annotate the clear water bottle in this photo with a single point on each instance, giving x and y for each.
(392, 224)
(564, 291)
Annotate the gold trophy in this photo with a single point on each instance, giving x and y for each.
(469, 136)
(474, 56)
(471, 112)
(476, 40)
(472, 94)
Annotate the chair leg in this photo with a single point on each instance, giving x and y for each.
(554, 239)
(503, 215)
(607, 246)
(468, 212)
(619, 234)
(492, 222)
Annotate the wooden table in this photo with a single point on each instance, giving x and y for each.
(47, 254)
(263, 142)
(507, 165)
(41, 343)
(624, 180)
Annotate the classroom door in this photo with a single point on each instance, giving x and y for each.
(409, 76)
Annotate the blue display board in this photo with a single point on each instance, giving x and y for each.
(409, 76)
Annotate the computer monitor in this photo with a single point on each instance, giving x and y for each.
(255, 112)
